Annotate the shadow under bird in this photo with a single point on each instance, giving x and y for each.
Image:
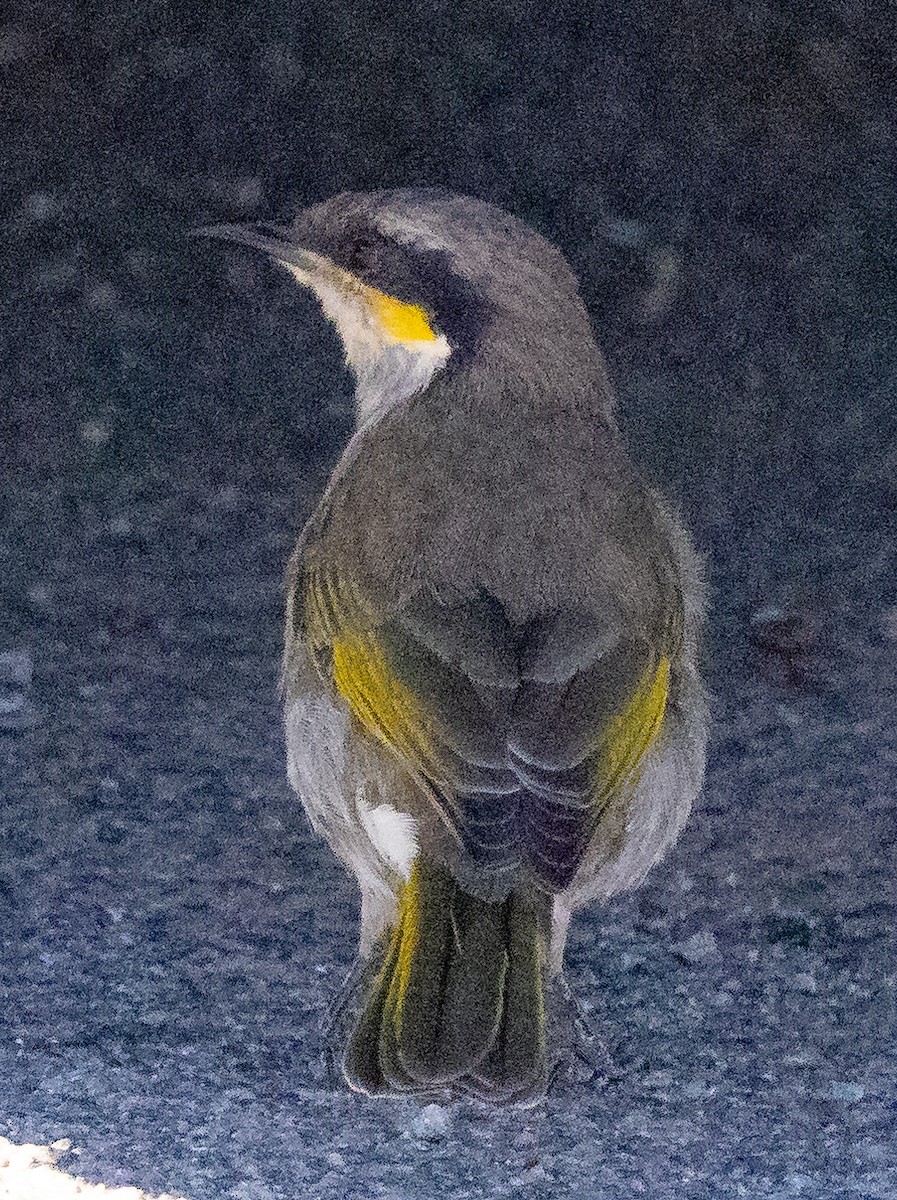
(493, 707)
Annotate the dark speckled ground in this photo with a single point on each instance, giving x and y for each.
(173, 937)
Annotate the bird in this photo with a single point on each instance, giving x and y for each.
(493, 704)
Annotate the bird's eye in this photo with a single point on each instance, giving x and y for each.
(361, 253)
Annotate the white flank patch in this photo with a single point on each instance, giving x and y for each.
(344, 786)
(393, 833)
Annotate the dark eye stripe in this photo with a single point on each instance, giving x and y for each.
(422, 277)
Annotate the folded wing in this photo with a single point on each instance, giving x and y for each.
(520, 736)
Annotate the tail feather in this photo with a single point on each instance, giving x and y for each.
(363, 1052)
(423, 936)
(470, 1011)
(458, 1000)
(516, 1067)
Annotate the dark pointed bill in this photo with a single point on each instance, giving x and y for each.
(271, 239)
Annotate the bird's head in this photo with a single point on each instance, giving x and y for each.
(417, 279)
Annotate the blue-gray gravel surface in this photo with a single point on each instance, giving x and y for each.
(174, 938)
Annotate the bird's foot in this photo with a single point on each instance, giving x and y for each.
(337, 1024)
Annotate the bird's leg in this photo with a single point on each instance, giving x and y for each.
(581, 1054)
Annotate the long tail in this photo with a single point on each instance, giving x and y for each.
(458, 1001)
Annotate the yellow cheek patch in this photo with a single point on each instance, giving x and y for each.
(399, 322)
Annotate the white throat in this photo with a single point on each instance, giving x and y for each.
(387, 370)
(398, 371)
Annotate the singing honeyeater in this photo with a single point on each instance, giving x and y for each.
(493, 707)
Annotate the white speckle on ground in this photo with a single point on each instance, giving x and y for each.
(29, 1172)
(701, 947)
(95, 431)
(841, 1090)
(433, 1122)
(16, 667)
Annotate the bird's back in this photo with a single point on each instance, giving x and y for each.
(505, 621)
(526, 497)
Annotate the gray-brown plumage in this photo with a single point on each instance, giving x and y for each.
(493, 707)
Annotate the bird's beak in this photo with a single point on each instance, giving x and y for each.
(339, 290)
(273, 240)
